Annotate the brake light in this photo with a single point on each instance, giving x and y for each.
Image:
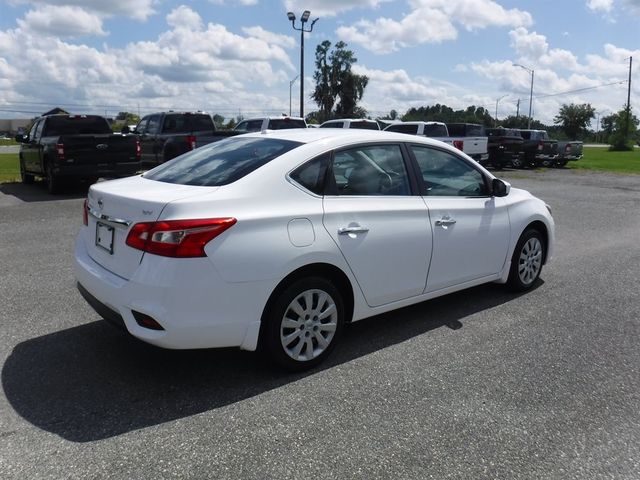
(191, 141)
(540, 146)
(60, 151)
(177, 238)
(138, 149)
(567, 149)
(459, 144)
(85, 213)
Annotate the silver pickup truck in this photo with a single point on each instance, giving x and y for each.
(474, 146)
(568, 150)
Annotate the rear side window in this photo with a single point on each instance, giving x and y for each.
(284, 123)
(332, 125)
(221, 163)
(311, 175)
(403, 128)
(73, 125)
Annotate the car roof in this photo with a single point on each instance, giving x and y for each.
(338, 136)
(275, 117)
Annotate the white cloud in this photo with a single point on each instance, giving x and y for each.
(270, 37)
(430, 21)
(243, 3)
(62, 21)
(184, 17)
(330, 8)
(600, 5)
(137, 9)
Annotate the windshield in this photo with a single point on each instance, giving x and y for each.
(221, 163)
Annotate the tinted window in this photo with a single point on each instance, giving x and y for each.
(403, 128)
(370, 170)
(475, 131)
(526, 134)
(185, 123)
(284, 123)
(456, 129)
(153, 126)
(142, 126)
(435, 130)
(71, 125)
(222, 162)
(445, 174)
(311, 175)
(249, 126)
(365, 125)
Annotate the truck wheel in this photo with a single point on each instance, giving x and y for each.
(561, 163)
(53, 182)
(547, 163)
(26, 178)
(516, 162)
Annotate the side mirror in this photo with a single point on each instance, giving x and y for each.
(21, 138)
(500, 188)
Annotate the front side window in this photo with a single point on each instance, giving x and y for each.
(221, 163)
(370, 170)
(153, 126)
(445, 174)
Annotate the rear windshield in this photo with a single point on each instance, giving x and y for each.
(185, 123)
(365, 125)
(465, 130)
(435, 130)
(284, 123)
(403, 128)
(73, 125)
(221, 163)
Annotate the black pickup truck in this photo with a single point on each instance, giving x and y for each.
(165, 135)
(538, 148)
(75, 147)
(504, 147)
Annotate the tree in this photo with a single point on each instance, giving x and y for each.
(575, 118)
(618, 138)
(128, 118)
(338, 90)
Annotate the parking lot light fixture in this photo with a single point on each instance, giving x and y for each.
(303, 19)
(531, 71)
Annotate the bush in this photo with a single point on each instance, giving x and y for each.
(619, 143)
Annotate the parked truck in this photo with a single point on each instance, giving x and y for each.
(504, 147)
(64, 148)
(165, 135)
(538, 149)
(473, 138)
(568, 150)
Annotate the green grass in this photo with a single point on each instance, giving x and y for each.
(11, 141)
(602, 160)
(9, 167)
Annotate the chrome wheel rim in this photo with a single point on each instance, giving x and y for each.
(530, 261)
(308, 325)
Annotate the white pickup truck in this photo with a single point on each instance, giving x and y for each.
(475, 146)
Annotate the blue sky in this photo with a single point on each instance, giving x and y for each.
(238, 57)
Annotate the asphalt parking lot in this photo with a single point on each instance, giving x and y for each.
(478, 384)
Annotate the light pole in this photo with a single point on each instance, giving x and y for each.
(303, 19)
(531, 71)
(291, 82)
(497, 100)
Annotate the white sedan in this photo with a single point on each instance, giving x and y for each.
(277, 239)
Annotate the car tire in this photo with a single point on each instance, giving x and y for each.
(26, 178)
(526, 261)
(547, 163)
(517, 162)
(53, 182)
(303, 324)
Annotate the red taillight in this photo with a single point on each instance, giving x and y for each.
(85, 213)
(177, 238)
(191, 141)
(567, 149)
(459, 144)
(60, 151)
(540, 146)
(138, 149)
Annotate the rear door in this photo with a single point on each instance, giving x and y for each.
(148, 129)
(470, 227)
(381, 229)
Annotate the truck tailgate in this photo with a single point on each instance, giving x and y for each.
(98, 149)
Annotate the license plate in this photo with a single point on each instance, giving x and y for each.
(104, 237)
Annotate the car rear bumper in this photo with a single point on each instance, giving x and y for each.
(188, 299)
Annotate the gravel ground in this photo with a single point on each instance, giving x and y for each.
(478, 384)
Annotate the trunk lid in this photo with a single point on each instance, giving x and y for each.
(115, 206)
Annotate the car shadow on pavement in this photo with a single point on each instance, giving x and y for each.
(93, 382)
(37, 192)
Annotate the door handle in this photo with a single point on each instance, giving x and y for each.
(445, 222)
(354, 229)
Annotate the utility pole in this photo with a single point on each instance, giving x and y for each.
(628, 123)
(518, 109)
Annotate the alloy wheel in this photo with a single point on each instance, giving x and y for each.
(530, 261)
